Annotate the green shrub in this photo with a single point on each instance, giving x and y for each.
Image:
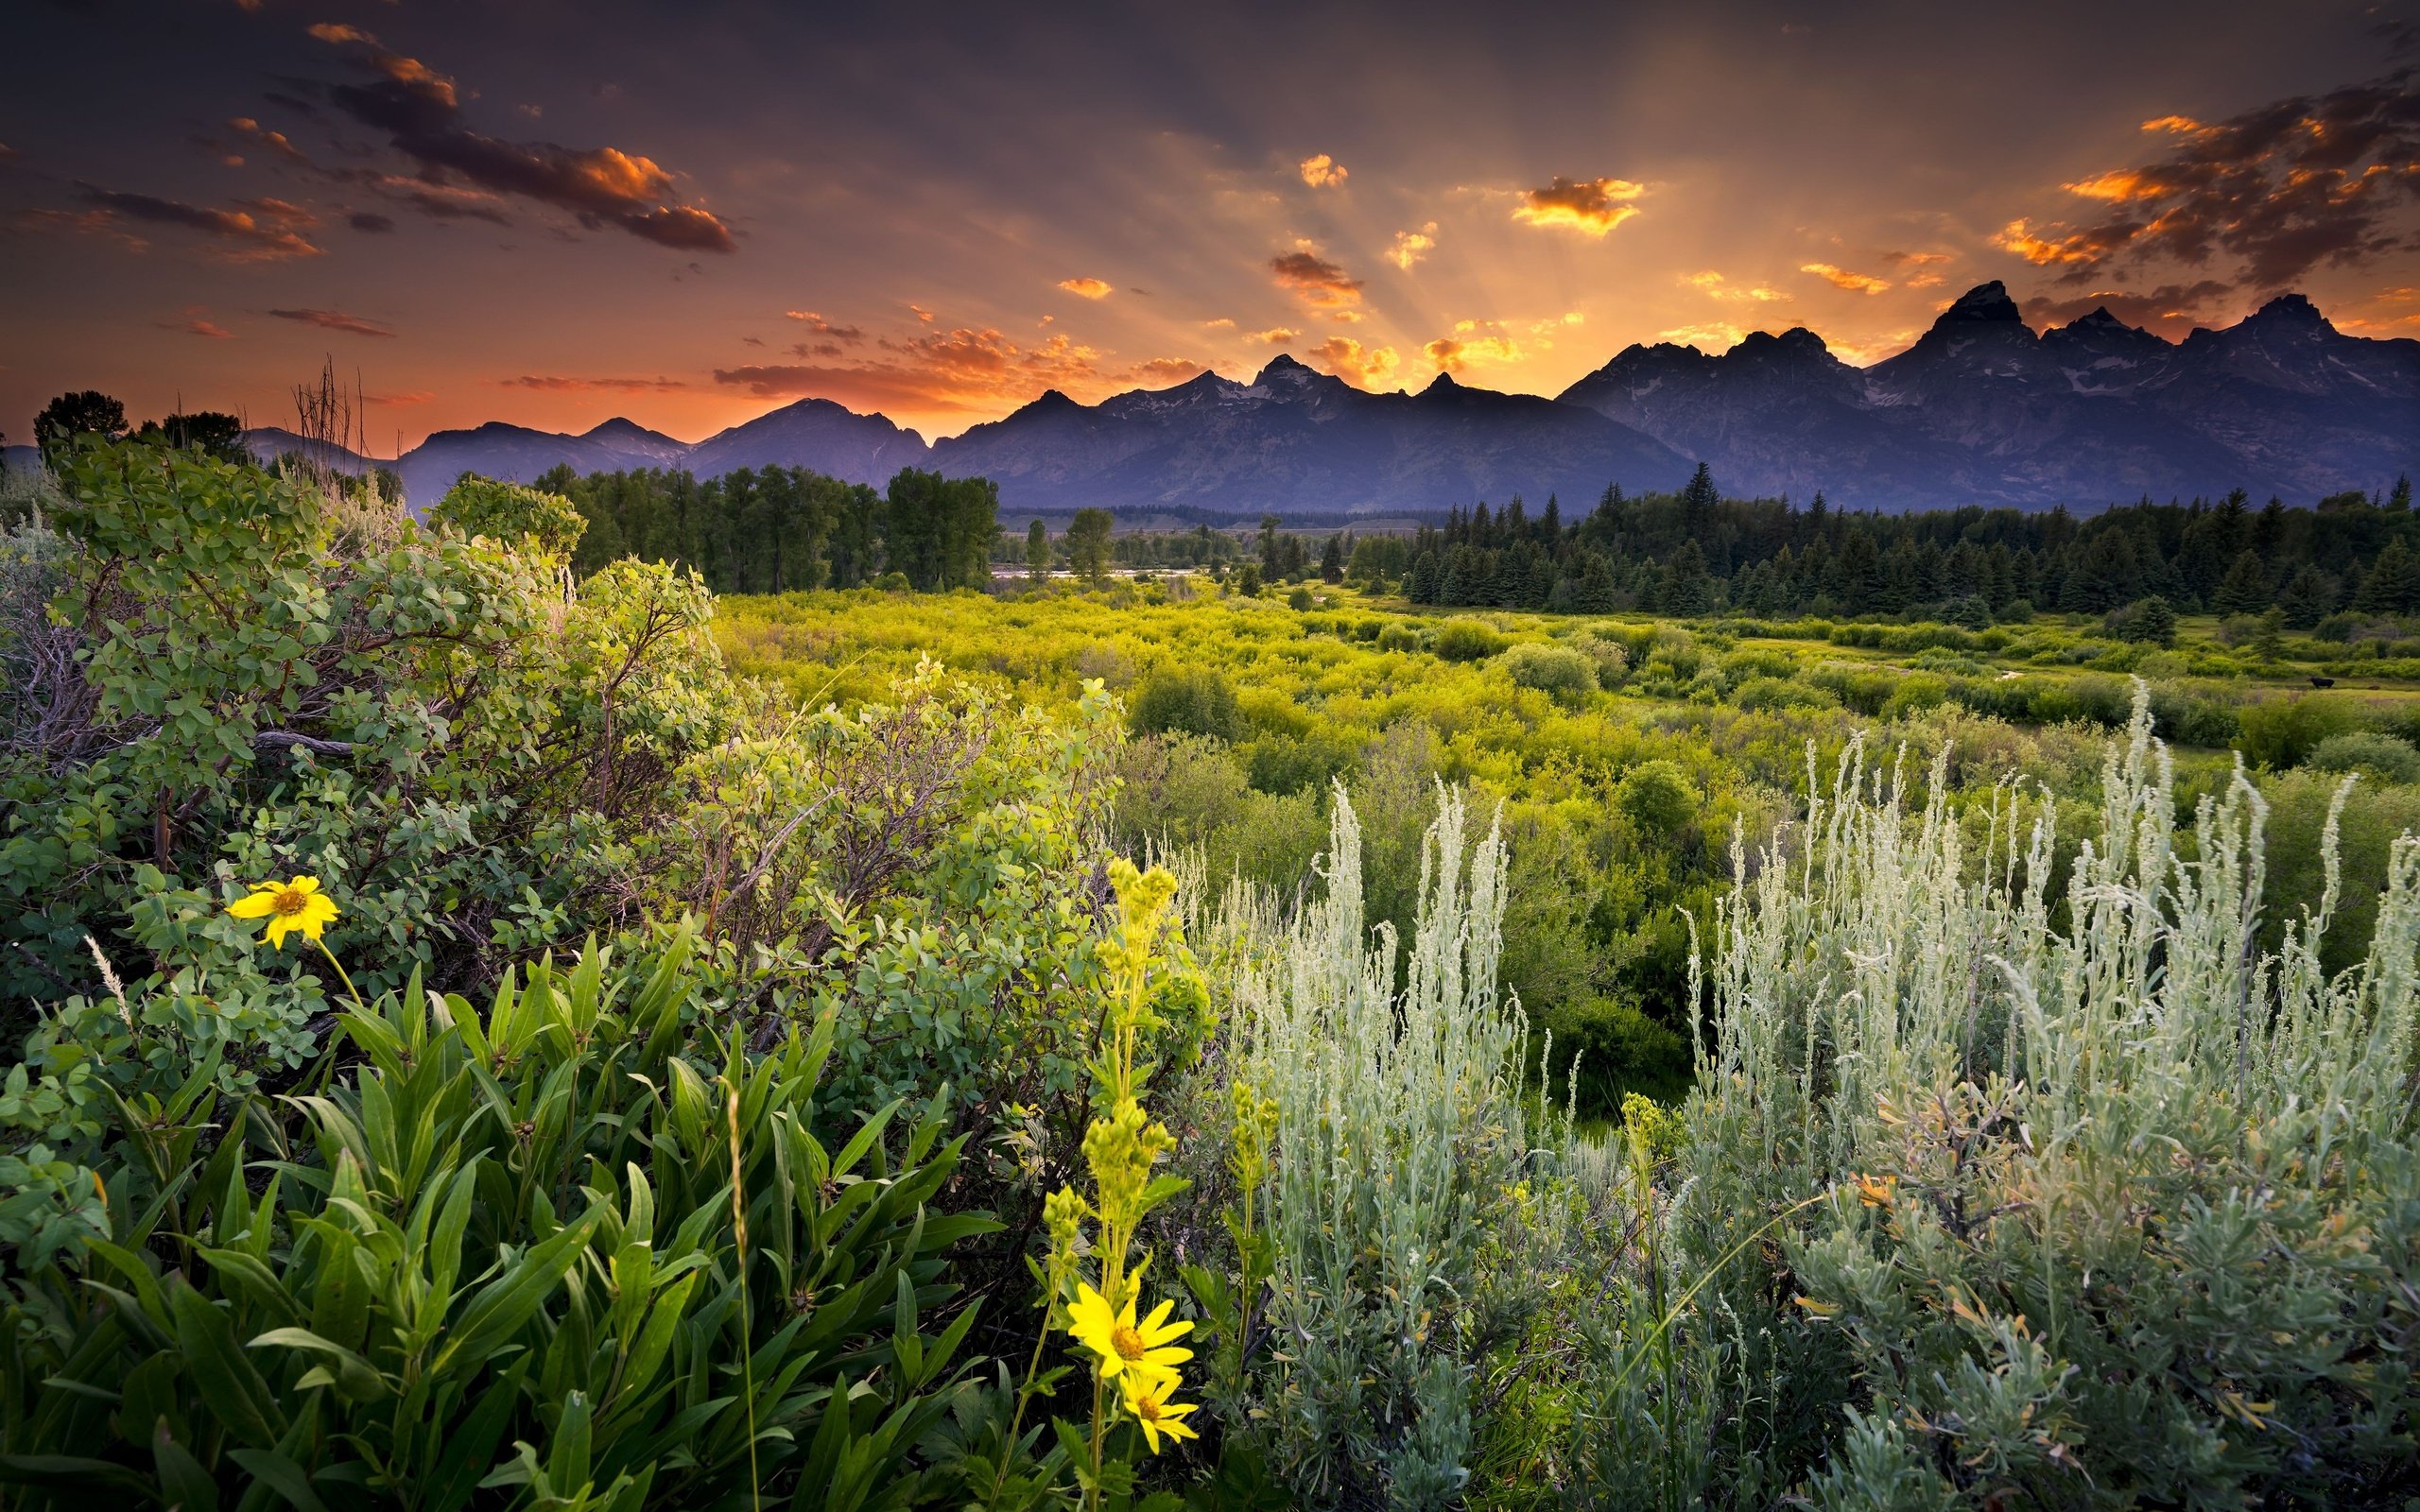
(511, 514)
(2279, 733)
(2384, 757)
(503, 1251)
(1467, 641)
(246, 678)
(1398, 638)
(1765, 694)
(1187, 701)
(1299, 764)
(1620, 1053)
(1563, 674)
(1658, 798)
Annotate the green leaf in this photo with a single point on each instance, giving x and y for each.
(282, 1475)
(357, 1379)
(228, 1386)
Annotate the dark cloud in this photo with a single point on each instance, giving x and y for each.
(256, 231)
(262, 139)
(351, 325)
(2172, 308)
(370, 221)
(558, 385)
(420, 111)
(2283, 188)
(1318, 282)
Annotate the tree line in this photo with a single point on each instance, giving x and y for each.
(1696, 552)
(773, 530)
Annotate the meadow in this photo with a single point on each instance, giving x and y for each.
(495, 1027)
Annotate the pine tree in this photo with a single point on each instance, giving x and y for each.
(2245, 587)
(1037, 550)
(1332, 561)
(2393, 584)
(2308, 599)
(2401, 497)
(1700, 497)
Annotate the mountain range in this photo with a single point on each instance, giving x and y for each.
(1981, 409)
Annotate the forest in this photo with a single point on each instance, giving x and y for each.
(632, 992)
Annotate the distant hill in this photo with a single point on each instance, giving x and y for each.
(1982, 409)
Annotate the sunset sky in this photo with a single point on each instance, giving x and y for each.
(553, 213)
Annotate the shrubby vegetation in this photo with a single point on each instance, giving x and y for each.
(495, 1027)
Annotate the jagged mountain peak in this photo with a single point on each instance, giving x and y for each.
(2290, 312)
(1985, 303)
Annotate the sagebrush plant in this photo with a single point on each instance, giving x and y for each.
(2123, 1208)
(502, 1261)
(1396, 1142)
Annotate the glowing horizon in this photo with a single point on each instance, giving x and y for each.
(493, 216)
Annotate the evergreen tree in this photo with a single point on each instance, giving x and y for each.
(1037, 550)
(2392, 583)
(1700, 497)
(1688, 589)
(2309, 598)
(2401, 499)
(2245, 587)
(1332, 561)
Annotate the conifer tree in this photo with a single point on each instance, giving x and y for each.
(2245, 587)
(1037, 550)
(2392, 583)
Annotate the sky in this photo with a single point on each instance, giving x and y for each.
(553, 213)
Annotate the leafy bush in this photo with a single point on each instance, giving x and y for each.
(1467, 641)
(508, 513)
(2385, 757)
(1764, 694)
(1619, 1052)
(242, 677)
(2282, 732)
(501, 1254)
(1567, 675)
(1657, 798)
(1187, 701)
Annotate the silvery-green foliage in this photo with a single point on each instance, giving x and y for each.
(2118, 1208)
(1399, 1137)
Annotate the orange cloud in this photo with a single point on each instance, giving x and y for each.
(2018, 237)
(1411, 246)
(399, 400)
(1361, 366)
(822, 327)
(197, 323)
(1276, 335)
(1464, 348)
(1719, 335)
(1222, 323)
(258, 231)
(1164, 371)
(1319, 283)
(1088, 288)
(1593, 206)
(960, 371)
(1842, 278)
(2116, 187)
(1714, 284)
(1322, 172)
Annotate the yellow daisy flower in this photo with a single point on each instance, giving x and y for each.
(1122, 1346)
(1159, 1413)
(288, 906)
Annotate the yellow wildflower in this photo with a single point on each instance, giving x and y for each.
(288, 906)
(1159, 1413)
(1125, 1349)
